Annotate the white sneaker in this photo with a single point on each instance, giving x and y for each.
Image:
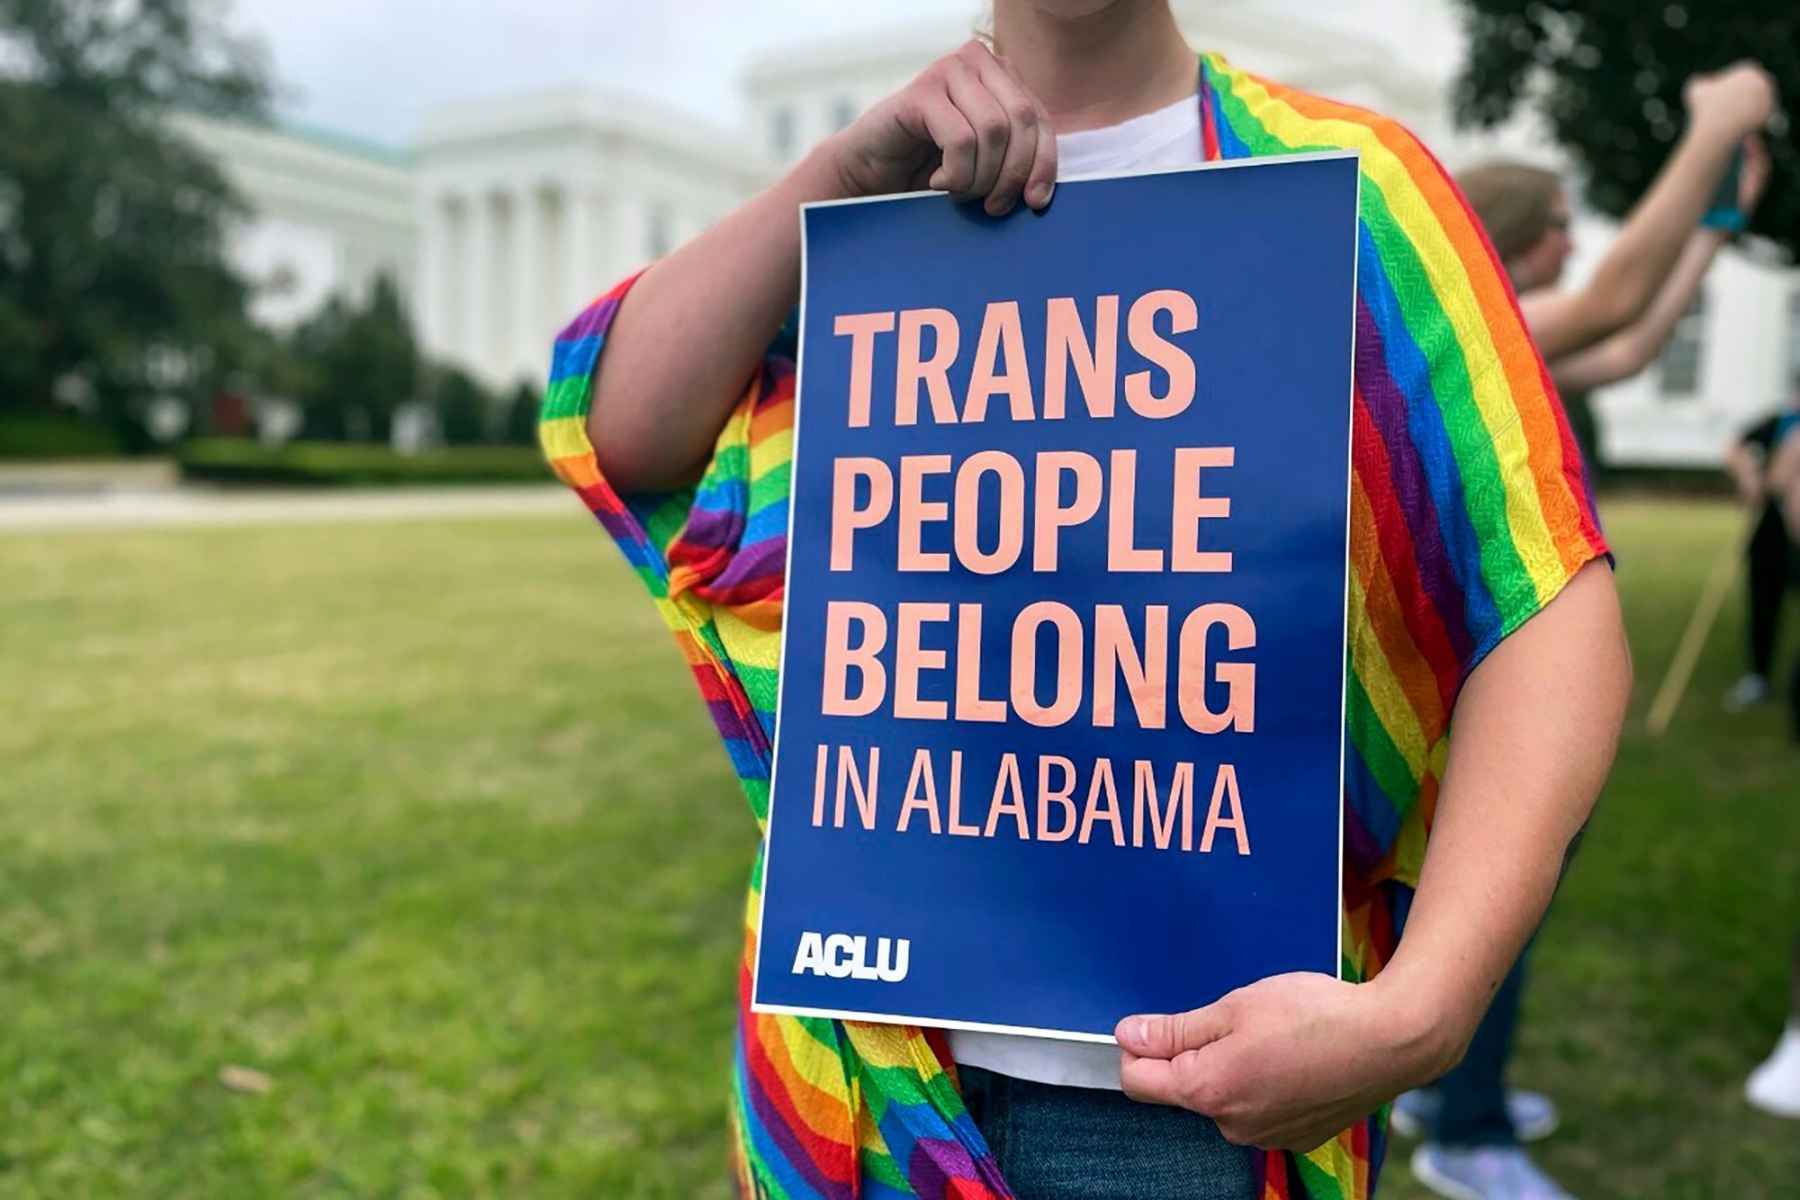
(1774, 1087)
(1747, 692)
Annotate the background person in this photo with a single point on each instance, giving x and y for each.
(1771, 550)
(1784, 483)
(1774, 1087)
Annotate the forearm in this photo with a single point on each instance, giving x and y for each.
(1625, 354)
(690, 333)
(1784, 482)
(1533, 737)
(1746, 473)
(1642, 256)
(1784, 467)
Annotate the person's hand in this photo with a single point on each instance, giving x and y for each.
(966, 126)
(1755, 177)
(1290, 1062)
(1735, 102)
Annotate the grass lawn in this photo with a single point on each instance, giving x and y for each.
(426, 823)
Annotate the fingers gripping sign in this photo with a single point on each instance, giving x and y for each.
(967, 126)
(1029, 169)
(1164, 1059)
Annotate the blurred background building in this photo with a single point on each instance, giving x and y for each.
(510, 211)
(331, 214)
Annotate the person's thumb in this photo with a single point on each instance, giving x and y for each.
(1166, 1036)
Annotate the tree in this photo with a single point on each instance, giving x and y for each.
(522, 415)
(463, 406)
(111, 245)
(362, 364)
(1608, 74)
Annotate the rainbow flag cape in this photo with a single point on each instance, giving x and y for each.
(1469, 513)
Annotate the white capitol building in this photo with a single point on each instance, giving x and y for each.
(510, 212)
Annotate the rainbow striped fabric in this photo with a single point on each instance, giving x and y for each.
(1469, 513)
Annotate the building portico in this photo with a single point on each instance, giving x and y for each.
(528, 204)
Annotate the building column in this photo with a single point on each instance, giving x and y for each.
(630, 230)
(528, 341)
(435, 282)
(577, 285)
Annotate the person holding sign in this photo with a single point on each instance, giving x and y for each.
(1479, 588)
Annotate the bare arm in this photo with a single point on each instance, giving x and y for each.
(1291, 1061)
(1531, 743)
(1625, 354)
(1723, 111)
(1784, 467)
(661, 394)
(1746, 470)
(1784, 481)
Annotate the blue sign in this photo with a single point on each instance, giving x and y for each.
(1060, 729)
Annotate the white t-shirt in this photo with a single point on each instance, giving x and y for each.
(1168, 137)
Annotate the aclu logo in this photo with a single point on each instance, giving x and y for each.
(843, 956)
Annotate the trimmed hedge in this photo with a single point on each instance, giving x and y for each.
(337, 464)
(51, 435)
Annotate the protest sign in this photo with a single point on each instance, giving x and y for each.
(1060, 727)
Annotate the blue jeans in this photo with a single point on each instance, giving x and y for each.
(1064, 1143)
(1473, 1111)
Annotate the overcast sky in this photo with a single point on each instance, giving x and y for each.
(372, 67)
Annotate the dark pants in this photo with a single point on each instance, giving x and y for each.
(1771, 569)
(1473, 1110)
(1064, 1143)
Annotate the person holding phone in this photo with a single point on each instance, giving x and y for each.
(1617, 323)
(1483, 589)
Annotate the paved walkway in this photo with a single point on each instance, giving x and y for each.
(56, 477)
(125, 507)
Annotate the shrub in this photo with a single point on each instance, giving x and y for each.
(328, 464)
(56, 435)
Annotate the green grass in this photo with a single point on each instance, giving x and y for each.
(422, 821)
(341, 464)
(426, 823)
